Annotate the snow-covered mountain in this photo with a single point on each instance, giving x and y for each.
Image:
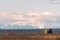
(17, 27)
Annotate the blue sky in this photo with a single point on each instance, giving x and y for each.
(44, 13)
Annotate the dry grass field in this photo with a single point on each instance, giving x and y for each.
(9, 36)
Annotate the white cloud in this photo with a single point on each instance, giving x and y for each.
(47, 14)
(31, 17)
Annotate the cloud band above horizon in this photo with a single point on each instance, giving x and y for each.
(39, 20)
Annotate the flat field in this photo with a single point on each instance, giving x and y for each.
(9, 36)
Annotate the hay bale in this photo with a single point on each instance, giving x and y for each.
(47, 31)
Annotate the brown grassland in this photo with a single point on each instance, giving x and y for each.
(9, 36)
